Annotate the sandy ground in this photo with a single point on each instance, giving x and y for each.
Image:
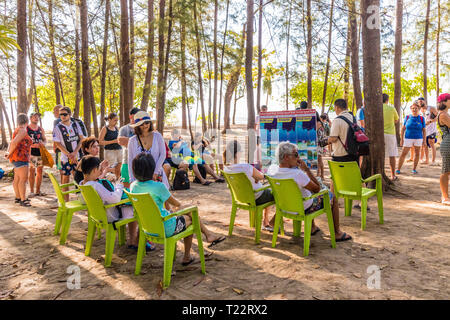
(411, 251)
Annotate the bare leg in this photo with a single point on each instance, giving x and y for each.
(117, 170)
(198, 174)
(444, 186)
(38, 179)
(133, 232)
(403, 156)
(22, 174)
(16, 183)
(210, 237)
(335, 211)
(31, 177)
(392, 165)
(212, 172)
(416, 156)
(167, 168)
(433, 150)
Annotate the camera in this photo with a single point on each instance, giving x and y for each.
(323, 142)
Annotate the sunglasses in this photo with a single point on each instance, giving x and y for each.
(145, 123)
(295, 154)
(63, 114)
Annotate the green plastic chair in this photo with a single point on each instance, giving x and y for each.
(289, 204)
(348, 182)
(65, 209)
(97, 218)
(151, 227)
(243, 197)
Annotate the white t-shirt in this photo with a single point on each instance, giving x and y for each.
(73, 138)
(248, 170)
(430, 128)
(300, 177)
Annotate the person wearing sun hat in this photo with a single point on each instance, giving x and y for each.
(147, 140)
(443, 121)
(125, 133)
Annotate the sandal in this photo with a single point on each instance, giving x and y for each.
(446, 202)
(218, 240)
(220, 180)
(40, 194)
(25, 203)
(315, 231)
(343, 238)
(206, 183)
(184, 264)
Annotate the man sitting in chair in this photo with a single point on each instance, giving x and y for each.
(291, 166)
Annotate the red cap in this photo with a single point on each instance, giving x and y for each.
(444, 97)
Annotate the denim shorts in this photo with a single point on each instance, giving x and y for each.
(19, 164)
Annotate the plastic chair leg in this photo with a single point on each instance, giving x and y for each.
(140, 253)
(58, 221)
(380, 206)
(99, 233)
(90, 238)
(297, 228)
(276, 227)
(258, 223)
(307, 236)
(122, 235)
(348, 207)
(233, 216)
(252, 218)
(67, 220)
(110, 241)
(363, 213)
(169, 251)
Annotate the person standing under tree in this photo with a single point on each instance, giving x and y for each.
(390, 117)
(37, 134)
(443, 120)
(430, 114)
(125, 133)
(67, 135)
(109, 138)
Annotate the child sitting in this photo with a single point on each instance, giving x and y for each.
(90, 166)
(143, 167)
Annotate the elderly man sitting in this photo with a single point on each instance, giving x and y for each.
(291, 166)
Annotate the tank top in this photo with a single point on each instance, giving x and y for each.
(36, 137)
(22, 151)
(112, 135)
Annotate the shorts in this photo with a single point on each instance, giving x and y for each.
(19, 164)
(318, 203)
(265, 197)
(36, 161)
(408, 143)
(120, 213)
(170, 162)
(390, 145)
(114, 157)
(347, 158)
(67, 168)
(432, 137)
(124, 173)
(180, 225)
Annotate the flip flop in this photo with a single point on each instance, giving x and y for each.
(220, 180)
(220, 239)
(446, 202)
(343, 238)
(40, 194)
(395, 178)
(315, 231)
(206, 183)
(184, 264)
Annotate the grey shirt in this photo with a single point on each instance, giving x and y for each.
(127, 132)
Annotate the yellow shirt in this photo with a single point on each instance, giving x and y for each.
(390, 115)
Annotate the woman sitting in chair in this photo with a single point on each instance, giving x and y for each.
(143, 167)
(231, 157)
(292, 167)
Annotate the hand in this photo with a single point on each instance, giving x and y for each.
(302, 164)
(72, 157)
(401, 142)
(7, 155)
(424, 142)
(104, 164)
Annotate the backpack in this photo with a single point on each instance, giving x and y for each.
(202, 170)
(181, 180)
(110, 187)
(81, 124)
(357, 143)
(422, 119)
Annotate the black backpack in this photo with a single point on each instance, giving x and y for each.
(181, 180)
(202, 170)
(357, 143)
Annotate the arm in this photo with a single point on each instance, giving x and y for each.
(444, 119)
(13, 145)
(101, 137)
(402, 135)
(109, 197)
(131, 154)
(363, 123)
(424, 134)
(123, 141)
(332, 139)
(435, 113)
(172, 201)
(257, 175)
(313, 185)
(162, 152)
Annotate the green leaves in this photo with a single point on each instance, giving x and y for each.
(7, 43)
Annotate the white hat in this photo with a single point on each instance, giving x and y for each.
(140, 118)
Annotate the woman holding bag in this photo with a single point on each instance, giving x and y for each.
(36, 134)
(19, 155)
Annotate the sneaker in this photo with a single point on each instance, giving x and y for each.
(414, 172)
(397, 171)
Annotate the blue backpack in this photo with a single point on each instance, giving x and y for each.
(2, 173)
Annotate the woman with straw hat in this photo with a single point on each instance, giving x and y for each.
(147, 140)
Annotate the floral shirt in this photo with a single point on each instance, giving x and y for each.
(22, 151)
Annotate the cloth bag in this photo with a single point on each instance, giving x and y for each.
(47, 159)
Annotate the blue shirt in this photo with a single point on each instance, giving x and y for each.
(360, 114)
(160, 194)
(414, 127)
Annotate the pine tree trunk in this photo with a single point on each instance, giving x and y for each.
(4, 143)
(209, 115)
(248, 67)
(51, 31)
(425, 53)
(347, 63)
(355, 55)
(327, 68)
(85, 65)
(221, 63)
(437, 48)
(150, 53)
(398, 64)
(22, 56)
(160, 82)
(132, 50)
(309, 53)
(166, 61)
(199, 71)
(183, 76)
(76, 111)
(372, 89)
(104, 60)
(8, 71)
(32, 57)
(287, 57)
(125, 58)
(216, 67)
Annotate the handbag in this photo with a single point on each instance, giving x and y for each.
(47, 159)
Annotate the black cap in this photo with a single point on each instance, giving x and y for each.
(303, 105)
(421, 98)
(134, 111)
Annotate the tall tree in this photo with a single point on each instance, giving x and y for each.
(166, 61)
(32, 56)
(221, 61)
(437, 48)
(76, 111)
(327, 68)
(370, 10)
(183, 75)
(287, 55)
(216, 67)
(347, 61)
(132, 49)
(104, 60)
(150, 53)
(248, 67)
(199, 71)
(309, 52)
(85, 65)
(425, 52)
(398, 63)
(4, 142)
(22, 56)
(258, 92)
(355, 54)
(125, 58)
(160, 82)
